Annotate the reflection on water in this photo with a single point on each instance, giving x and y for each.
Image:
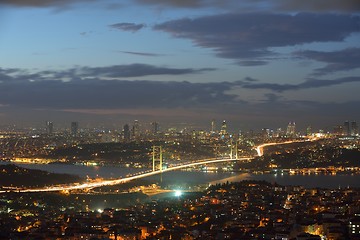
(181, 177)
(83, 171)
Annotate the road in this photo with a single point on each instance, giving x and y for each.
(101, 183)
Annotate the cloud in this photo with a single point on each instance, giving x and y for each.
(260, 5)
(110, 94)
(180, 3)
(243, 5)
(44, 94)
(250, 79)
(347, 59)
(145, 54)
(108, 72)
(131, 27)
(133, 70)
(86, 33)
(319, 5)
(311, 83)
(270, 97)
(251, 63)
(41, 3)
(250, 38)
(86, 88)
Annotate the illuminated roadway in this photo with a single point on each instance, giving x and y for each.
(122, 180)
(260, 149)
(101, 183)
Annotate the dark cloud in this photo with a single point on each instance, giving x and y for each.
(110, 94)
(243, 5)
(134, 70)
(250, 79)
(251, 5)
(182, 3)
(249, 38)
(319, 5)
(108, 72)
(86, 88)
(40, 95)
(311, 83)
(145, 54)
(42, 3)
(251, 63)
(343, 60)
(131, 27)
(272, 97)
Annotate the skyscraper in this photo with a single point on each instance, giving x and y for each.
(347, 128)
(74, 128)
(213, 127)
(353, 129)
(49, 128)
(291, 129)
(136, 129)
(126, 132)
(155, 128)
(223, 128)
(308, 131)
(339, 130)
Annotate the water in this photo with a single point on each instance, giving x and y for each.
(81, 170)
(309, 181)
(181, 177)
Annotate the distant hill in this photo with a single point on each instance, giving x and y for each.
(12, 175)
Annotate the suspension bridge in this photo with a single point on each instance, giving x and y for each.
(157, 168)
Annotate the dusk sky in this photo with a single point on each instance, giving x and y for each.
(255, 63)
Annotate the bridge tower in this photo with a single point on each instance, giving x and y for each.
(157, 156)
(234, 150)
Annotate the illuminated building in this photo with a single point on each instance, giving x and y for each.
(291, 128)
(136, 129)
(223, 128)
(347, 128)
(49, 128)
(350, 129)
(354, 226)
(266, 133)
(213, 126)
(308, 131)
(74, 128)
(353, 129)
(339, 130)
(155, 128)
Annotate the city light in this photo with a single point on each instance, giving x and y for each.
(178, 193)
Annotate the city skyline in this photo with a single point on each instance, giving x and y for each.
(255, 65)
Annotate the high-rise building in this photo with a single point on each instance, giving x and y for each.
(266, 132)
(213, 127)
(347, 128)
(49, 128)
(126, 132)
(136, 129)
(308, 131)
(339, 130)
(279, 132)
(353, 129)
(155, 128)
(291, 129)
(74, 128)
(223, 128)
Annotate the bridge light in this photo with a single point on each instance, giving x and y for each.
(178, 193)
